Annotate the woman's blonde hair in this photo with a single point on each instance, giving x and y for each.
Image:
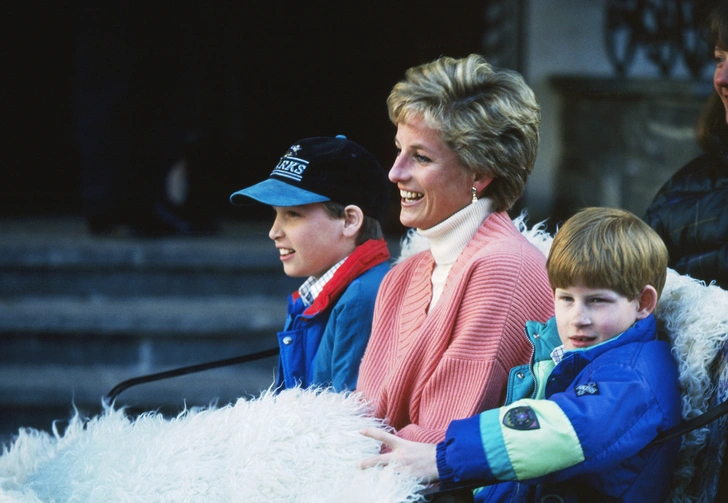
(607, 248)
(488, 116)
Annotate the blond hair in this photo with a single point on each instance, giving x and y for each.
(488, 116)
(607, 248)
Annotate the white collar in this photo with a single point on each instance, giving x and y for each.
(449, 237)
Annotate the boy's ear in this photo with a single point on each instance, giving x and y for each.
(647, 302)
(353, 220)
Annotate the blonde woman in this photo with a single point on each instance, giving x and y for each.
(448, 322)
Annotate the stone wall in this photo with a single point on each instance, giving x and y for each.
(622, 139)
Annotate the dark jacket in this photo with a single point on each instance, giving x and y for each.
(690, 213)
(323, 344)
(586, 441)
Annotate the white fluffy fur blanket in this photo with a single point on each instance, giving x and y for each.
(298, 446)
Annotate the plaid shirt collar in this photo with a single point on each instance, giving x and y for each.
(312, 287)
(558, 354)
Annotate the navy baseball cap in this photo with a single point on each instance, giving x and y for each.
(320, 169)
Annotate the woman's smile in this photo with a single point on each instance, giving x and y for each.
(410, 197)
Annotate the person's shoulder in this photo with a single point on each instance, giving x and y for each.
(411, 272)
(405, 264)
(650, 361)
(367, 283)
(359, 296)
(701, 174)
(379, 270)
(656, 366)
(699, 178)
(656, 355)
(500, 240)
(653, 348)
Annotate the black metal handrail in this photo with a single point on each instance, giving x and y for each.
(111, 396)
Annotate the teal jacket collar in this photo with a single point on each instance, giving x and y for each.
(545, 338)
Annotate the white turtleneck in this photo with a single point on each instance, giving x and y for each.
(449, 238)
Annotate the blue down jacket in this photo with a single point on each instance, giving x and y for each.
(323, 344)
(586, 441)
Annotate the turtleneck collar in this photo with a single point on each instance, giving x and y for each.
(449, 237)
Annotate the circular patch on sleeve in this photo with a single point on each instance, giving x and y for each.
(521, 418)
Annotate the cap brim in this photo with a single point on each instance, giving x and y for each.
(276, 193)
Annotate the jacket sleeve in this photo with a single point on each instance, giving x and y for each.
(584, 429)
(486, 340)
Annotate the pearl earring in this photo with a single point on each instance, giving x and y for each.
(475, 195)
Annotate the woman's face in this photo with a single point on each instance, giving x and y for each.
(432, 182)
(720, 77)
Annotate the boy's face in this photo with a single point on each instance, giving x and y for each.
(586, 316)
(309, 240)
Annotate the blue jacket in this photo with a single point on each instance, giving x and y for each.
(586, 441)
(324, 343)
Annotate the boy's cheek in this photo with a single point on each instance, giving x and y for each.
(561, 326)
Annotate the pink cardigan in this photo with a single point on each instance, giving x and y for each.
(420, 370)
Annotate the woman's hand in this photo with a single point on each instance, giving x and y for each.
(415, 458)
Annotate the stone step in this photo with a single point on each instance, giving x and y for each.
(86, 386)
(243, 260)
(133, 283)
(59, 351)
(63, 241)
(184, 316)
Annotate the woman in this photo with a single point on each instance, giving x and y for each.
(689, 211)
(448, 323)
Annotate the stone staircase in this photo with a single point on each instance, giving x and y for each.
(79, 314)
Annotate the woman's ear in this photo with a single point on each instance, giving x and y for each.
(647, 302)
(481, 182)
(353, 220)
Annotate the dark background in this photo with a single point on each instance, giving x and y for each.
(230, 86)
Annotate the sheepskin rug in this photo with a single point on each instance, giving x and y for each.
(297, 446)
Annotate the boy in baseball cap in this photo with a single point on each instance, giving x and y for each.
(329, 196)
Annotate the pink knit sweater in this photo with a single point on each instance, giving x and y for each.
(420, 370)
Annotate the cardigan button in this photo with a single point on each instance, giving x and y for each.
(287, 340)
(536, 335)
(520, 375)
